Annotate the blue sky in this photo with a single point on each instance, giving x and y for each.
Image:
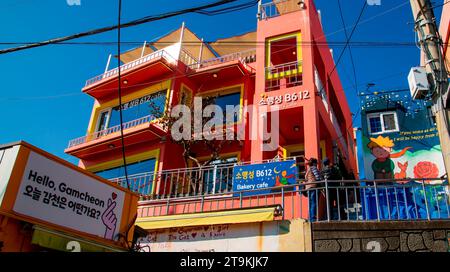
(40, 95)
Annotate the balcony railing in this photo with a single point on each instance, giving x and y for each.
(129, 66)
(278, 7)
(111, 130)
(245, 57)
(342, 200)
(284, 75)
(187, 58)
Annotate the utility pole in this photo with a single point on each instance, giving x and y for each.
(430, 42)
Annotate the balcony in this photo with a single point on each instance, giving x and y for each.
(276, 8)
(136, 131)
(227, 66)
(197, 190)
(151, 67)
(285, 75)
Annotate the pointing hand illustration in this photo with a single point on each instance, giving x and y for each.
(109, 219)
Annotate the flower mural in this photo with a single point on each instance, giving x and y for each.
(426, 169)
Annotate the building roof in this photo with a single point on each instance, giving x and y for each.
(235, 44)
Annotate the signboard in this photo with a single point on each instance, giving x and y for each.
(265, 175)
(68, 198)
(286, 98)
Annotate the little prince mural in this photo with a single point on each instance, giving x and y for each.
(381, 148)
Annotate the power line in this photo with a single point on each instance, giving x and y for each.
(119, 92)
(349, 48)
(240, 43)
(125, 25)
(349, 38)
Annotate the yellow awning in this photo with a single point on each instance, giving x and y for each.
(207, 218)
(56, 240)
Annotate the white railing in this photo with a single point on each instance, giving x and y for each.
(278, 7)
(187, 58)
(111, 130)
(127, 66)
(245, 57)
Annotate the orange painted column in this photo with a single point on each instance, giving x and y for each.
(311, 130)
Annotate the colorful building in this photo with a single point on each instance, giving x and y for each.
(283, 69)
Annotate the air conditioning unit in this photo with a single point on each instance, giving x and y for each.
(418, 83)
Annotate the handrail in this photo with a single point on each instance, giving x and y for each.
(246, 56)
(127, 66)
(278, 7)
(108, 131)
(345, 200)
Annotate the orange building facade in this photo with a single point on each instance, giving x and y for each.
(284, 69)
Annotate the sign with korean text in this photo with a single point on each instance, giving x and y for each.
(54, 193)
(282, 99)
(255, 177)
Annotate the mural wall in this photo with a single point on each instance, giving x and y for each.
(411, 152)
(399, 140)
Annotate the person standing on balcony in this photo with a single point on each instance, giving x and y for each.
(312, 176)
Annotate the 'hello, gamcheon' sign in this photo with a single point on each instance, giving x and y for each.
(38, 187)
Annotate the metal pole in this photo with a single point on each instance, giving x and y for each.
(327, 200)
(376, 200)
(143, 49)
(425, 198)
(108, 62)
(200, 55)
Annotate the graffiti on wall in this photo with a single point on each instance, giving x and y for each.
(271, 236)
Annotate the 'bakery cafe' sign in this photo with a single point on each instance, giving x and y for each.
(284, 99)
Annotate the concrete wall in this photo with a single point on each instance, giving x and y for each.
(381, 236)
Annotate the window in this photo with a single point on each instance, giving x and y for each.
(141, 185)
(382, 122)
(149, 105)
(231, 99)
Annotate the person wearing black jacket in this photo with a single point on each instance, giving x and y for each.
(331, 172)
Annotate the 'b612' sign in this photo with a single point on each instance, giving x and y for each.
(286, 98)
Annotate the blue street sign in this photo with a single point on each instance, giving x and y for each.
(264, 175)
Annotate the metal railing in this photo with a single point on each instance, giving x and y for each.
(187, 58)
(245, 57)
(111, 130)
(127, 66)
(278, 7)
(284, 75)
(328, 201)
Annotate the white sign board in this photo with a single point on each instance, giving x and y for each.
(57, 194)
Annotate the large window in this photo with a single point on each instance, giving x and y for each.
(137, 184)
(382, 122)
(230, 99)
(149, 105)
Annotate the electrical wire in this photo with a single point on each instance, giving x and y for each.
(143, 20)
(349, 38)
(349, 47)
(119, 91)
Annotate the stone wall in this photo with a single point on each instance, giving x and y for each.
(395, 236)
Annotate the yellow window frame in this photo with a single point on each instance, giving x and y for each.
(298, 36)
(165, 85)
(225, 91)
